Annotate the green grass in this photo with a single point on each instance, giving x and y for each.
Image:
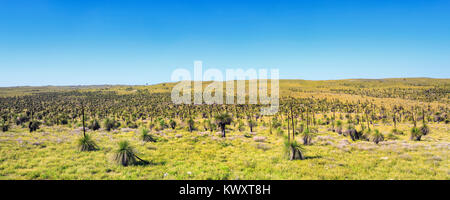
(51, 153)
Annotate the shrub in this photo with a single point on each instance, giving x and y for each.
(351, 131)
(191, 124)
(5, 126)
(396, 131)
(146, 137)
(222, 121)
(131, 124)
(416, 135)
(86, 143)
(22, 119)
(424, 129)
(126, 155)
(377, 136)
(94, 125)
(338, 127)
(172, 124)
(162, 124)
(110, 124)
(251, 124)
(307, 137)
(391, 136)
(241, 126)
(294, 150)
(34, 125)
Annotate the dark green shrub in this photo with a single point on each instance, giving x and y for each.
(94, 125)
(85, 143)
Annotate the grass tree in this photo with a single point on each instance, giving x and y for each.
(307, 136)
(86, 143)
(172, 123)
(377, 136)
(352, 132)
(191, 124)
(125, 154)
(251, 124)
(424, 129)
(94, 125)
(4, 124)
(416, 135)
(34, 125)
(338, 127)
(110, 124)
(146, 137)
(294, 150)
(222, 120)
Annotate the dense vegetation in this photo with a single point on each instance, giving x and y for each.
(313, 116)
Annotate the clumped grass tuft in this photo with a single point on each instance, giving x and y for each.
(294, 150)
(377, 136)
(86, 143)
(307, 136)
(146, 137)
(94, 125)
(416, 135)
(125, 154)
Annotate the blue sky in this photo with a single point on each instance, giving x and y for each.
(80, 42)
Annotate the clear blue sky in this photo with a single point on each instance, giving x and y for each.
(77, 42)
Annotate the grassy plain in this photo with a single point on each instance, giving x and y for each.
(51, 152)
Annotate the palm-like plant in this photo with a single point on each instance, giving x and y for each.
(94, 125)
(146, 137)
(307, 136)
(172, 124)
(191, 124)
(251, 124)
(222, 121)
(351, 131)
(294, 150)
(126, 155)
(5, 126)
(416, 134)
(377, 136)
(339, 127)
(86, 143)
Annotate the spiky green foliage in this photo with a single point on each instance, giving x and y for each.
(338, 127)
(191, 124)
(351, 131)
(396, 131)
(294, 150)
(307, 136)
(146, 137)
(94, 125)
(251, 124)
(4, 126)
(111, 124)
(377, 136)
(416, 134)
(222, 120)
(172, 124)
(424, 129)
(241, 126)
(34, 125)
(125, 154)
(86, 143)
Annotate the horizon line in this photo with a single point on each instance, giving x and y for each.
(93, 85)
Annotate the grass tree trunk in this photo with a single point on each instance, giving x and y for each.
(223, 130)
(288, 129)
(82, 113)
